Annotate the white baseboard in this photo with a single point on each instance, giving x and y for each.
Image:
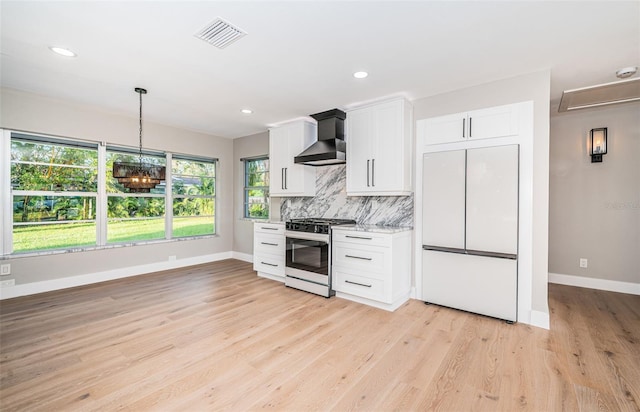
(539, 319)
(245, 257)
(89, 278)
(272, 277)
(592, 283)
(386, 306)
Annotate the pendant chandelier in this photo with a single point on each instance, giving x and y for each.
(139, 177)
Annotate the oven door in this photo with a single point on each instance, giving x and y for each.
(307, 252)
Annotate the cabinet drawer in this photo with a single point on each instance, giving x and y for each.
(371, 261)
(269, 264)
(272, 244)
(270, 228)
(362, 238)
(360, 286)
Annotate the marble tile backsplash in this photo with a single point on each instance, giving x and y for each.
(331, 201)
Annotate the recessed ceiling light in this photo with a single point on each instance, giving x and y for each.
(360, 75)
(62, 51)
(246, 111)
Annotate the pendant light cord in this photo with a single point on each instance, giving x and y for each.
(140, 134)
(140, 91)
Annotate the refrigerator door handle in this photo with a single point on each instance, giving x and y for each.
(498, 255)
(483, 253)
(444, 249)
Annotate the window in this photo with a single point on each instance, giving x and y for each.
(134, 217)
(54, 193)
(256, 188)
(194, 203)
(60, 193)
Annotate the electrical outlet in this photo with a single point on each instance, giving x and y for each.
(5, 269)
(8, 282)
(584, 263)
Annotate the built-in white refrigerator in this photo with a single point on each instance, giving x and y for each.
(470, 230)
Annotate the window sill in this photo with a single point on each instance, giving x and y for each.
(104, 247)
(254, 219)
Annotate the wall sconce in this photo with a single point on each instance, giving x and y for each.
(598, 146)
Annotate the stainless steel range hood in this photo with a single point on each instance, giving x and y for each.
(330, 149)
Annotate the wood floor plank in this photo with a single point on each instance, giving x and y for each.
(218, 337)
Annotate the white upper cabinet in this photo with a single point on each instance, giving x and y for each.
(443, 129)
(286, 177)
(379, 149)
(499, 121)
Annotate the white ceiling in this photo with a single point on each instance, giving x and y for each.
(299, 56)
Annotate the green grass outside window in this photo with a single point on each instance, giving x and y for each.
(77, 235)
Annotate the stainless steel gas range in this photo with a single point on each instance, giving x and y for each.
(308, 254)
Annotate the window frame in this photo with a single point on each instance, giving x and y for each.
(111, 194)
(8, 224)
(246, 188)
(214, 197)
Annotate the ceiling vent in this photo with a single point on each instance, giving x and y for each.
(220, 33)
(600, 95)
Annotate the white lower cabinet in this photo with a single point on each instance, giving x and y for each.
(372, 268)
(269, 250)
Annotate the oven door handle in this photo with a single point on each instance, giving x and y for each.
(307, 236)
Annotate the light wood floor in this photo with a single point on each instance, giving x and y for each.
(216, 336)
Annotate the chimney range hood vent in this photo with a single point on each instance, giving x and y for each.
(330, 149)
(600, 95)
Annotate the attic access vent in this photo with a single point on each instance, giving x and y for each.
(600, 95)
(220, 33)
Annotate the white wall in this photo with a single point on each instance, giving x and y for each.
(594, 208)
(534, 87)
(248, 146)
(37, 114)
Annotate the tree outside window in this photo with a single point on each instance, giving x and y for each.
(134, 217)
(57, 204)
(53, 193)
(194, 196)
(256, 188)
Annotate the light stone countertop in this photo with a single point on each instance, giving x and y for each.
(373, 228)
(272, 221)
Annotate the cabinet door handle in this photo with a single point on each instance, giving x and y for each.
(270, 244)
(373, 172)
(286, 178)
(368, 161)
(358, 237)
(356, 283)
(269, 264)
(357, 257)
(464, 121)
(470, 129)
(282, 178)
(268, 228)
